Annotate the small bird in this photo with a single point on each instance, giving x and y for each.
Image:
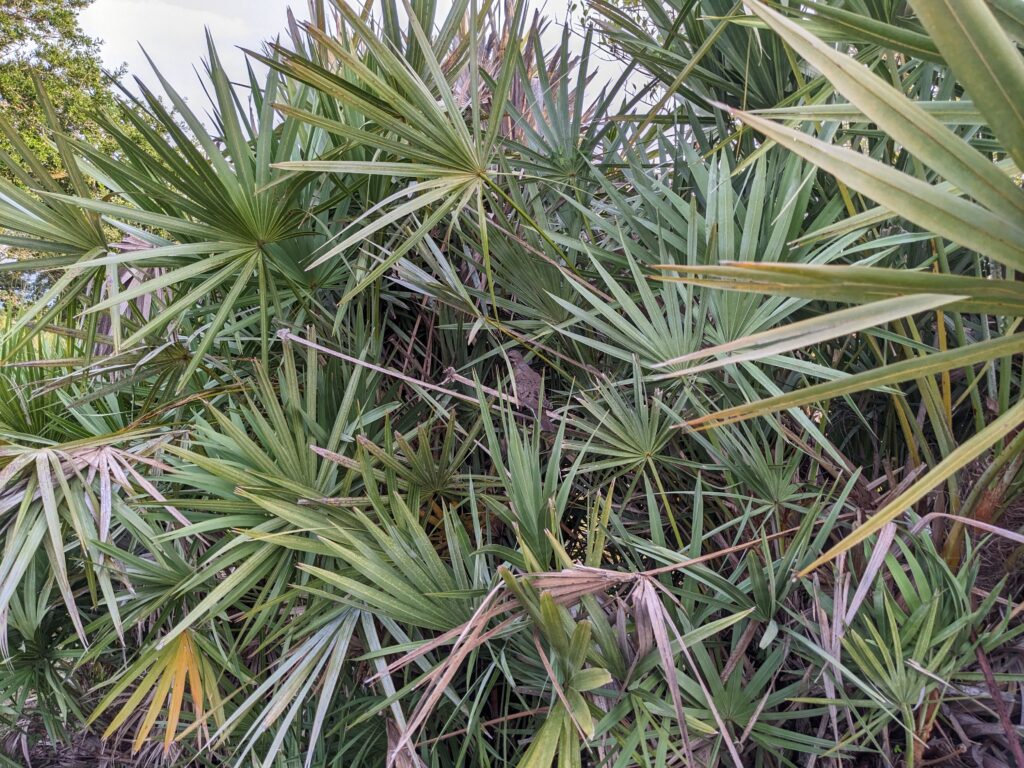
(527, 385)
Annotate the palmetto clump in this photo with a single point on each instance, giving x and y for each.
(429, 405)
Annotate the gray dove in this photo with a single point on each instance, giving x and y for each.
(528, 383)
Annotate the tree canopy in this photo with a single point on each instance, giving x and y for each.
(43, 39)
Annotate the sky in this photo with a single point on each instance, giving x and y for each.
(171, 31)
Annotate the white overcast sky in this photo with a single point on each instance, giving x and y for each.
(171, 31)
